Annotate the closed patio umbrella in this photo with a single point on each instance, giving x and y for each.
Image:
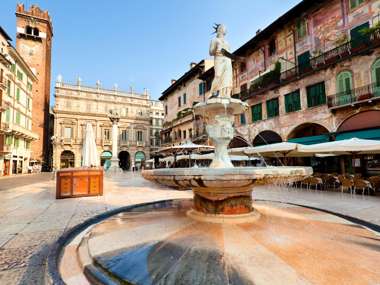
(90, 157)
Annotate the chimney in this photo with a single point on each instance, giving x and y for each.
(192, 65)
(173, 81)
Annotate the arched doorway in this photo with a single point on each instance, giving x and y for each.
(67, 159)
(139, 159)
(309, 133)
(238, 142)
(266, 137)
(361, 121)
(105, 159)
(124, 160)
(363, 125)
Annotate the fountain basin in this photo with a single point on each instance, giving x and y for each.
(158, 243)
(224, 191)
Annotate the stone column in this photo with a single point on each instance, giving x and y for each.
(115, 118)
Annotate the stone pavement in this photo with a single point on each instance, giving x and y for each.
(31, 218)
(11, 182)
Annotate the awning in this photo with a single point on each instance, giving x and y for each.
(371, 134)
(106, 154)
(311, 139)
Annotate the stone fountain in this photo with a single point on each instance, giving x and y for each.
(223, 192)
(221, 236)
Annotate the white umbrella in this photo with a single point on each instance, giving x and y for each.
(282, 149)
(210, 156)
(350, 146)
(90, 157)
(188, 146)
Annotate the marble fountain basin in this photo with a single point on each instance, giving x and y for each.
(225, 180)
(224, 192)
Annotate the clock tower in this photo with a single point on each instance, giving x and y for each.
(34, 43)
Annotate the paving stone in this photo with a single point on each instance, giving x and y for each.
(11, 277)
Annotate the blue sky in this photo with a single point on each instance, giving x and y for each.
(141, 43)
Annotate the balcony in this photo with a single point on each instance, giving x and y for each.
(320, 62)
(360, 95)
(106, 142)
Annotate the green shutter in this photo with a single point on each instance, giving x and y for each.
(8, 115)
(242, 119)
(8, 140)
(18, 94)
(272, 108)
(257, 114)
(357, 36)
(18, 118)
(292, 102)
(316, 95)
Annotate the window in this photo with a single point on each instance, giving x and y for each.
(124, 135)
(243, 90)
(243, 67)
(28, 103)
(27, 145)
(139, 136)
(344, 82)
(242, 119)
(257, 113)
(292, 102)
(179, 101)
(202, 88)
(358, 38)
(13, 68)
(184, 134)
(166, 110)
(28, 30)
(67, 133)
(18, 94)
(304, 62)
(8, 115)
(301, 28)
(20, 75)
(8, 140)
(18, 118)
(272, 108)
(376, 73)
(179, 134)
(29, 86)
(272, 47)
(36, 32)
(355, 3)
(190, 133)
(184, 99)
(9, 88)
(106, 134)
(16, 142)
(316, 95)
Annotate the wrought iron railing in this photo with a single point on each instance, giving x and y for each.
(356, 95)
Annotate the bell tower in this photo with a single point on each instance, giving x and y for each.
(34, 43)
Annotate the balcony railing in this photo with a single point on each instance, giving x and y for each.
(330, 57)
(354, 96)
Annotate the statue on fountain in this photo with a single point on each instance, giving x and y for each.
(220, 50)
